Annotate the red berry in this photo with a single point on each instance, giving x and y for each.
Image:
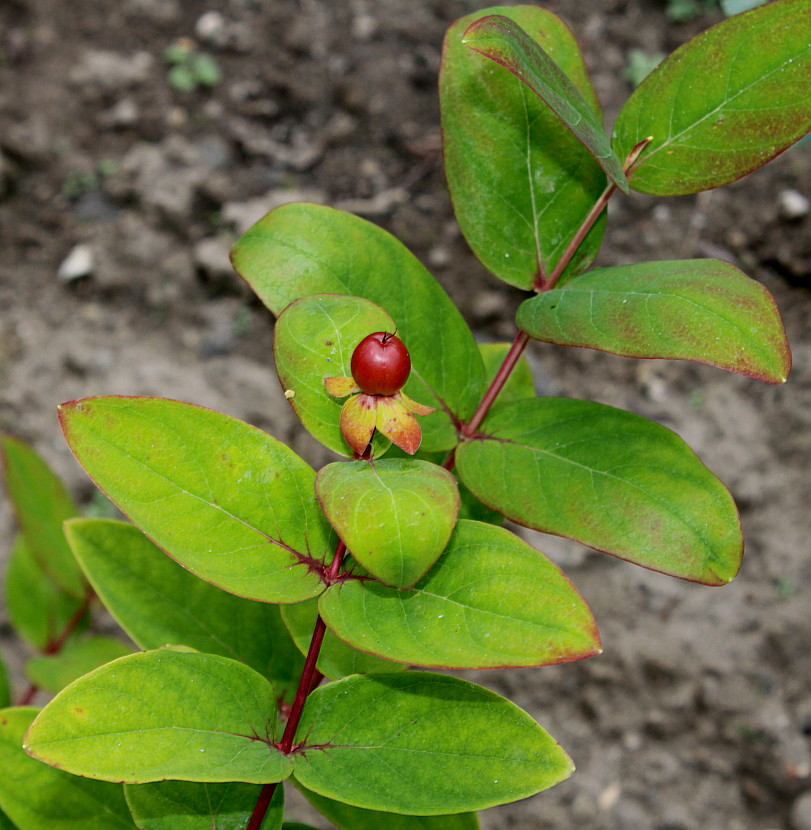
(381, 364)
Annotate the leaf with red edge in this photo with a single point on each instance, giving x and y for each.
(520, 181)
(698, 309)
(723, 104)
(505, 42)
(609, 479)
(229, 502)
(491, 601)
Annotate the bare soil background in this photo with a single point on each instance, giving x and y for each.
(698, 714)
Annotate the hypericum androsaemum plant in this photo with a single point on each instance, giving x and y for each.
(377, 564)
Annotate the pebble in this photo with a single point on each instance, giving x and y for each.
(244, 214)
(793, 204)
(100, 70)
(77, 264)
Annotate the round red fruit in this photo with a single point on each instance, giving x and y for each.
(381, 364)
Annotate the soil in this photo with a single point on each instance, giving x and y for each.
(698, 714)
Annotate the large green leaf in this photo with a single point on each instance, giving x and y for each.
(699, 309)
(301, 249)
(722, 104)
(226, 500)
(491, 601)
(520, 181)
(314, 339)
(395, 515)
(163, 714)
(505, 42)
(422, 744)
(346, 817)
(38, 797)
(37, 607)
(5, 822)
(156, 602)
(336, 658)
(186, 805)
(53, 672)
(41, 503)
(610, 479)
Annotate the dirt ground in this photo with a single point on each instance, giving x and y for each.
(119, 198)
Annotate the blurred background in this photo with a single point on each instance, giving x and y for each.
(139, 138)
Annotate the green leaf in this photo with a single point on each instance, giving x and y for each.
(505, 42)
(346, 817)
(723, 104)
(37, 797)
(520, 384)
(492, 601)
(186, 805)
(336, 658)
(395, 515)
(609, 479)
(700, 309)
(163, 714)
(5, 822)
(5, 685)
(38, 609)
(226, 500)
(54, 672)
(422, 744)
(520, 181)
(41, 503)
(156, 602)
(301, 249)
(181, 78)
(205, 70)
(314, 338)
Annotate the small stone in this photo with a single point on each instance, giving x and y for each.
(77, 264)
(211, 257)
(103, 71)
(211, 28)
(123, 113)
(793, 204)
(800, 817)
(364, 27)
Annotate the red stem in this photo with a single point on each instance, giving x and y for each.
(56, 645)
(310, 678)
(520, 343)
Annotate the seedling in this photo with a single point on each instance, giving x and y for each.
(294, 601)
(190, 69)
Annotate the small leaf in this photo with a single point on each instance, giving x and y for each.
(492, 601)
(520, 384)
(41, 503)
(54, 672)
(396, 516)
(302, 249)
(700, 309)
(226, 500)
(609, 479)
(723, 104)
(156, 601)
(37, 797)
(520, 181)
(346, 817)
(186, 805)
(163, 714)
(505, 42)
(336, 659)
(37, 607)
(420, 743)
(314, 339)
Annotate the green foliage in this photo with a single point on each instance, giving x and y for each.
(185, 805)
(190, 69)
(39, 797)
(640, 64)
(378, 563)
